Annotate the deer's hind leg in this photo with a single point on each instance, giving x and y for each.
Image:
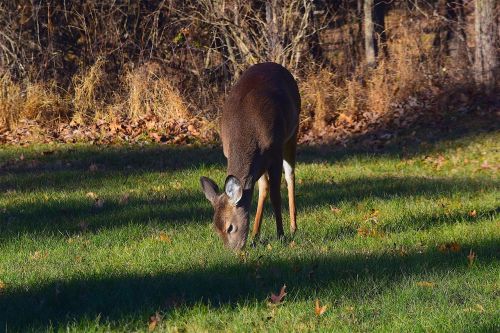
(274, 172)
(289, 155)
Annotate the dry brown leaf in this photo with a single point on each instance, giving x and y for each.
(471, 258)
(319, 310)
(335, 210)
(38, 255)
(426, 284)
(124, 198)
(473, 213)
(455, 247)
(449, 247)
(92, 195)
(292, 244)
(99, 203)
(164, 237)
(369, 232)
(485, 165)
(2, 286)
(277, 299)
(153, 321)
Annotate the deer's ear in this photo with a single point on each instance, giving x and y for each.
(210, 189)
(233, 189)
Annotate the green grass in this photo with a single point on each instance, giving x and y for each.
(66, 265)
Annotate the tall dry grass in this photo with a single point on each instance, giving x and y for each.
(90, 90)
(149, 92)
(11, 100)
(42, 102)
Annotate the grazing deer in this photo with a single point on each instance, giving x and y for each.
(259, 127)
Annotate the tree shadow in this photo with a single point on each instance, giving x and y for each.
(72, 216)
(114, 297)
(67, 216)
(162, 158)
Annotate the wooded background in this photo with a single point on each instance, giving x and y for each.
(96, 69)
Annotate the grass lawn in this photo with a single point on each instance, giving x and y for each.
(102, 238)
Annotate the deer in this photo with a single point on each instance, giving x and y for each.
(258, 129)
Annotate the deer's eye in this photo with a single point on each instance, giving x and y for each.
(230, 229)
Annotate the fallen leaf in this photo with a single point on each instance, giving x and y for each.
(269, 247)
(99, 203)
(2, 286)
(38, 255)
(319, 310)
(426, 284)
(277, 299)
(153, 321)
(91, 195)
(449, 247)
(124, 198)
(455, 247)
(164, 237)
(369, 232)
(473, 213)
(471, 258)
(292, 244)
(485, 165)
(335, 210)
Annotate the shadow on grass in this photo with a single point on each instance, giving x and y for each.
(150, 158)
(112, 298)
(111, 159)
(184, 207)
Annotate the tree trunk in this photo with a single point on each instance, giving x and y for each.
(485, 61)
(379, 26)
(370, 51)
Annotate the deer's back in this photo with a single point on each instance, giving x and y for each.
(261, 112)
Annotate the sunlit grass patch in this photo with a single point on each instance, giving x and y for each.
(387, 242)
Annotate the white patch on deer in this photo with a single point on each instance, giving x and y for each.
(288, 171)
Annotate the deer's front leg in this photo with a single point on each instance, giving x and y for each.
(263, 190)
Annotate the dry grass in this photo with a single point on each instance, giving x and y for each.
(34, 101)
(371, 94)
(368, 97)
(45, 103)
(11, 101)
(89, 88)
(149, 92)
(321, 98)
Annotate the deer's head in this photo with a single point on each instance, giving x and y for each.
(231, 218)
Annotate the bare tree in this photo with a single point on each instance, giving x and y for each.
(248, 32)
(374, 29)
(485, 62)
(369, 33)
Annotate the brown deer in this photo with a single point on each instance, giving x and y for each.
(259, 125)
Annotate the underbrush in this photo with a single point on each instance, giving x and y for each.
(149, 101)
